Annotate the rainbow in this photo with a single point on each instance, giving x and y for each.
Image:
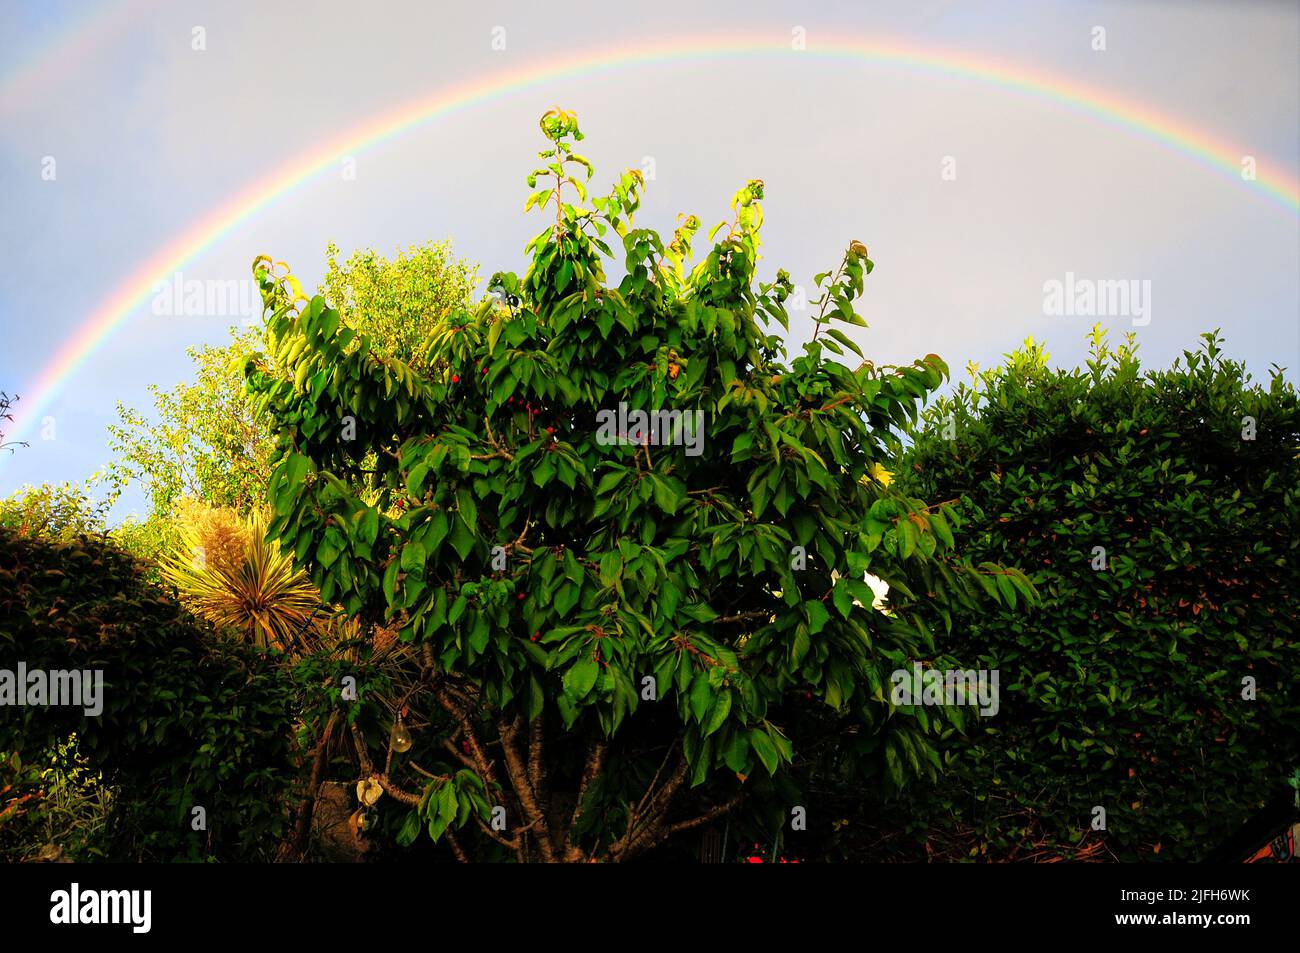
(59, 57)
(137, 288)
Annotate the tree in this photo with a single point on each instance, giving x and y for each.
(6, 402)
(613, 635)
(397, 302)
(1156, 512)
(205, 442)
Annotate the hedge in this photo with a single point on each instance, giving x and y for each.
(1156, 513)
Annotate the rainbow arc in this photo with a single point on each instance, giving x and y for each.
(1271, 183)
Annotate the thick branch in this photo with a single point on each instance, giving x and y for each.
(537, 762)
(642, 832)
(306, 808)
(657, 832)
(456, 849)
(523, 790)
(590, 771)
(481, 762)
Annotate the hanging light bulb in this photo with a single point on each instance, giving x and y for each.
(400, 739)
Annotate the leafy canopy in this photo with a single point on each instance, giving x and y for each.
(204, 441)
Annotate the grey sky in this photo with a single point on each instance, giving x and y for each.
(150, 135)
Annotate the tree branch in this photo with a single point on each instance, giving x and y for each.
(518, 773)
(368, 770)
(537, 762)
(590, 771)
(297, 846)
(710, 815)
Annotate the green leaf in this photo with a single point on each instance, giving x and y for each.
(296, 469)
(462, 539)
(611, 569)
(566, 597)
(326, 553)
(764, 748)
(939, 523)
(390, 581)
(701, 696)
(409, 830)
(842, 596)
(799, 645)
(572, 568)
(415, 478)
(413, 558)
(536, 697)
(581, 678)
(908, 536)
(736, 754)
(436, 532)
(468, 508)
(1007, 590)
(844, 339)
(817, 616)
(437, 826)
(718, 712)
(368, 528)
(666, 496)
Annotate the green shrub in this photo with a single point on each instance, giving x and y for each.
(1125, 689)
(61, 512)
(58, 807)
(188, 719)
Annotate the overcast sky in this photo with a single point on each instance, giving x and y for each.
(149, 135)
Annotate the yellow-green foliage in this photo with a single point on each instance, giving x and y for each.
(398, 301)
(226, 572)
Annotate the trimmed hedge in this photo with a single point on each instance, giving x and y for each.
(1125, 688)
(188, 719)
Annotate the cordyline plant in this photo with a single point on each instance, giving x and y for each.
(226, 571)
(613, 635)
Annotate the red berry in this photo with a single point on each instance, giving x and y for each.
(455, 378)
(550, 430)
(520, 596)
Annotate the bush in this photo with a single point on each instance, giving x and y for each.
(62, 512)
(188, 719)
(1156, 513)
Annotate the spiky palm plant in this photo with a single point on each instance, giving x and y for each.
(226, 571)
